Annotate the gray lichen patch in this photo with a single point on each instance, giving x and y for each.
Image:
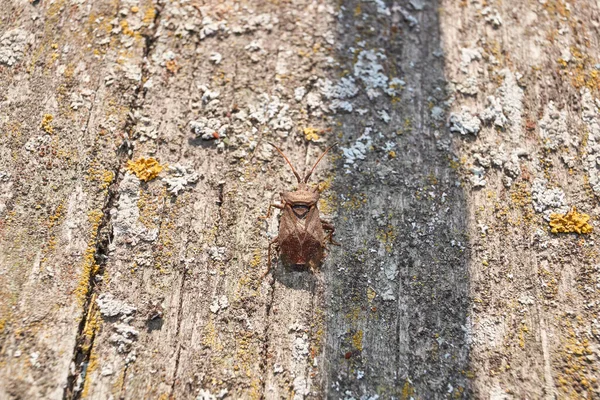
(511, 98)
(13, 44)
(547, 201)
(469, 55)
(209, 128)
(358, 150)
(492, 16)
(339, 94)
(468, 86)
(494, 113)
(219, 303)
(464, 122)
(112, 307)
(124, 337)
(369, 70)
(180, 178)
(591, 118)
(553, 128)
(127, 228)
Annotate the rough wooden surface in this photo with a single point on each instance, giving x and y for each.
(463, 125)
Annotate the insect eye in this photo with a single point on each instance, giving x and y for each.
(300, 211)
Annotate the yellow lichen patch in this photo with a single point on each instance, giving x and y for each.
(371, 294)
(3, 322)
(355, 201)
(572, 221)
(354, 314)
(89, 267)
(106, 179)
(256, 259)
(311, 134)
(522, 333)
(149, 16)
(458, 392)
(145, 168)
(519, 195)
(92, 366)
(357, 340)
(126, 29)
(210, 337)
(562, 62)
(58, 214)
(557, 8)
(576, 376)
(324, 185)
(392, 154)
(92, 325)
(100, 176)
(581, 69)
(387, 236)
(149, 206)
(408, 391)
(328, 202)
(47, 123)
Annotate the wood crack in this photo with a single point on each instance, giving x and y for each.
(84, 344)
(177, 332)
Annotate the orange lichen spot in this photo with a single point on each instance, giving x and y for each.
(311, 134)
(145, 168)
(392, 154)
(135, 9)
(47, 123)
(172, 66)
(573, 221)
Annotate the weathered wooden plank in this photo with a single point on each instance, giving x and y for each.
(61, 124)
(237, 333)
(397, 289)
(531, 323)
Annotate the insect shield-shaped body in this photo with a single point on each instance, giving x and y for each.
(302, 238)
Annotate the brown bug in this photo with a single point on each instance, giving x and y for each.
(301, 237)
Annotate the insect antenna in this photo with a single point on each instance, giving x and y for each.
(288, 161)
(307, 177)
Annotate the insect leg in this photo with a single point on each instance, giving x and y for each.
(275, 241)
(280, 206)
(328, 226)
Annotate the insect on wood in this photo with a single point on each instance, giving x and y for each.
(301, 240)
